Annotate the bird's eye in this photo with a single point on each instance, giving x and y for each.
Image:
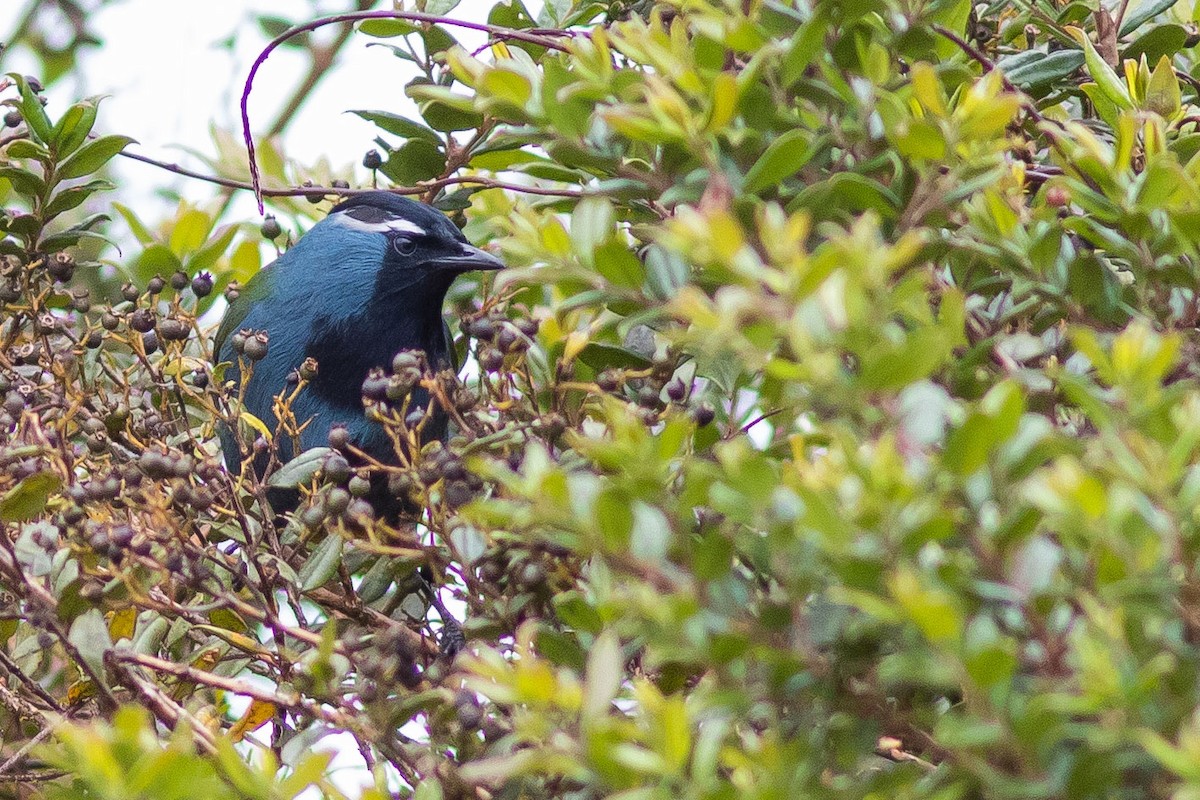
(404, 246)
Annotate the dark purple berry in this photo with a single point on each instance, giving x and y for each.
(202, 284)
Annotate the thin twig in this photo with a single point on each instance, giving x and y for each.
(303, 191)
(25, 748)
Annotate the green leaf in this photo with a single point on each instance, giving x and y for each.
(322, 563)
(206, 256)
(619, 265)
(415, 161)
(73, 127)
(443, 109)
(27, 148)
(1164, 40)
(32, 111)
(23, 181)
(72, 235)
(28, 498)
(140, 231)
(400, 126)
(93, 155)
(387, 28)
(155, 259)
(783, 158)
(1143, 13)
(1110, 84)
(438, 8)
(848, 192)
(189, 232)
(73, 197)
(274, 26)
(1045, 70)
(605, 671)
(600, 356)
(1162, 94)
(299, 470)
(89, 635)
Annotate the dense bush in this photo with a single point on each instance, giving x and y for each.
(835, 431)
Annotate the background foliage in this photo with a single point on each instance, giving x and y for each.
(834, 433)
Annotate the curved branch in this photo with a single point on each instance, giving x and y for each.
(303, 191)
(412, 16)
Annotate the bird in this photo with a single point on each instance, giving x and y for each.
(363, 284)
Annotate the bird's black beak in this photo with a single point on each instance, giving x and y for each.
(471, 258)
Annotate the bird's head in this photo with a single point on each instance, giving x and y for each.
(416, 244)
(375, 248)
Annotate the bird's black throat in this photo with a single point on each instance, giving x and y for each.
(346, 349)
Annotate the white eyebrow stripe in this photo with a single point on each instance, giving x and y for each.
(397, 225)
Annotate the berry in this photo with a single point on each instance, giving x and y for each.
(142, 320)
(61, 267)
(336, 468)
(202, 284)
(372, 160)
(256, 346)
(173, 330)
(313, 197)
(308, 369)
(270, 229)
(339, 437)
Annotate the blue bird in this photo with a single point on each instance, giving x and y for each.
(363, 284)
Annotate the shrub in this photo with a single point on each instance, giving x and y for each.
(835, 432)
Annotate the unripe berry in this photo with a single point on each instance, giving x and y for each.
(256, 346)
(270, 229)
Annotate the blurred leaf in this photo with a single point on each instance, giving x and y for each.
(26, 500)
(783, 158)
(1142, 13)
(258, 713)
(1163, 41)
(386, 28)
(605, 670)
(89, 636)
